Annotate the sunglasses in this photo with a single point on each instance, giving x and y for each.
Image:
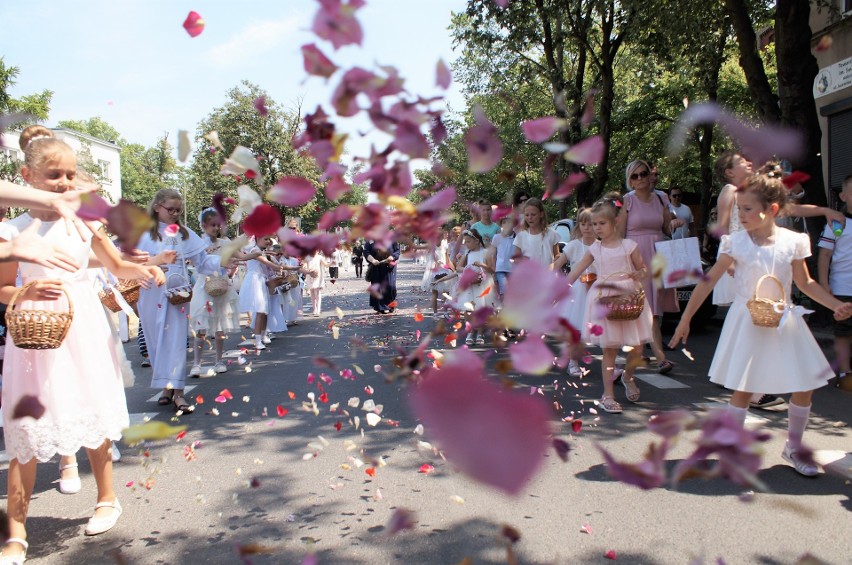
(642, 175)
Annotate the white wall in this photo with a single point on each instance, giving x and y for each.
(103, 153)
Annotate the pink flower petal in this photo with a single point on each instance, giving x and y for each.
(28, 406)
(541, 129)
(496, 436)
(335, 22)
(401, 519)
(468, 278)
(335, 216)
(596, 330)
(260, 105)
(93, 207)
(531, 356)
(171, 230)
(590, 151)
(443, 77)
(264, 220)
(336, 187)
(128, 222)
(484, 149)
(566, 189)
(193, 24)
(316, 63)
(535, 307)
(438, 202)
(291, 192)
(588, 109)
(411, 141)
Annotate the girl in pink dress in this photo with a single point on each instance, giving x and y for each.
(647, 220)
(79, 384)
(619, 264)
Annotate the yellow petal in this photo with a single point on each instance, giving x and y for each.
(152, 430)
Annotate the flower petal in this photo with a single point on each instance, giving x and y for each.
(128, 222)
(335, 22)
(240, 161)
(92, 207)
(531, 356)
(264, 220)
(193, 24)
(28, 406)
(590, 151)
(260, 105)
(484, 149)
(291, 192)
(541, 129)
(316, 63)
(443, 77)
(567, 187)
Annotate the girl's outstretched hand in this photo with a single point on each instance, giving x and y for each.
(681, 333)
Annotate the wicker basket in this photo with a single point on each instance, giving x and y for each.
(293, 279)
(765, 312)
(216, 285)
(623, 307)
(181, 293)
(128, 289)
(274, 282)
(37, 329)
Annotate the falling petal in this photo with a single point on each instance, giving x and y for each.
(128, 222)
(496, 436)
(316, 63)
(484, 149)
(531, 356)
(566, 189)
(151, 430)
(260, 105)
(292, 192)
(794, 178)
(249, 199)
(213, 138)
(590, 151)
(577, 425)
(541, 129)
(240, 161)
(171, 230)
(184, 147)
(588, 109)
(562, 449)
(443, 77)
(193, 24)
(336, 22)
(402, 519)
(426, 469)
(93, 207)
(264, 220)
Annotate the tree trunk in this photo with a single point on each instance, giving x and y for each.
(797, 69)
(758, 84)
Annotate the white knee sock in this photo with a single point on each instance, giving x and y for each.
(738, 413)
(797, 421)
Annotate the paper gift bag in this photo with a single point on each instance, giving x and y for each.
(682, 262)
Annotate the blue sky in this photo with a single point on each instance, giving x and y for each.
(132, 63)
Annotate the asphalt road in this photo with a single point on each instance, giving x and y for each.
(239, 478)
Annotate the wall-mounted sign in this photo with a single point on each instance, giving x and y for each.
(833, 78)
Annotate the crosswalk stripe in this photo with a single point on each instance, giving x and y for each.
(660, 381)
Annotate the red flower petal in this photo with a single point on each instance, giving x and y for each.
(281, 411)
(260, 105)
(264, 220)
(577, 425)
(426, 469)
(794, 178)
(193, 24)
(227, 394)
(370, 471)
(324, 398)
(28, 406)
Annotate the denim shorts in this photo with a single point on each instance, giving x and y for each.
(501, 277)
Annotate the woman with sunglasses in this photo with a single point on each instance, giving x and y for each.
(647, 220)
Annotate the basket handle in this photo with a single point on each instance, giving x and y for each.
(168, 278)
(26, 287)
(772, 278)
(601, 283)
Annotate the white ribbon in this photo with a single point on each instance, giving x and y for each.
(788, 309)
(119, 299)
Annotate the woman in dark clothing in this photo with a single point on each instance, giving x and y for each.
(382, 272)
(358, 259)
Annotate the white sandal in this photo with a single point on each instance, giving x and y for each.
(609, 404)
(15, 559)
(69, 486)
(98, 525)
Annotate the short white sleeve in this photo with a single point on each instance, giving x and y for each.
(801, 246)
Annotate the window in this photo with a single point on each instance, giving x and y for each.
(845, 6)
(104, 165)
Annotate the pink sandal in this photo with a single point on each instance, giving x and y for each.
(608, 404)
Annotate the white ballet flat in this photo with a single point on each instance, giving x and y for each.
(104, 524)
(115, 454)
(69, 486)
(15, 559)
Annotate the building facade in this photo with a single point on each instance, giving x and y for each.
(104, 156)
(832, 47)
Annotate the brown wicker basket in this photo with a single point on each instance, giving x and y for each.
(293, 279)
(180, 294)
(128, 289)
(274, 282)
(37, 329)
(765, 312)
(216, 285)
(623, 307)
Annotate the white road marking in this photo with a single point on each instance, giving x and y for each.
(660, 381)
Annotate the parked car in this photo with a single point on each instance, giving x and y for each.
(564, 229)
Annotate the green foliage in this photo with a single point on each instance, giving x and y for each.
(37, 105)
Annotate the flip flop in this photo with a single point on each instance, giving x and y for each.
(166, 399)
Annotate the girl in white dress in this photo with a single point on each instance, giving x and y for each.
(536, 241)
(79, 384)
(316, 265)
(166, 325)
(293, 300)
(254, 296)
(619, 267)
(572, 253)
(218, 314)
(279, 299)
(482, 293)
(753, 359)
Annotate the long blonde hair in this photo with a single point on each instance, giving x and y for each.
(536, 203)
(161, 196)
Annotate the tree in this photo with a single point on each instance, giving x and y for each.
(37, 106)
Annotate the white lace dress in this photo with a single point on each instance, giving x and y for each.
(755, 359)
(79, 384)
